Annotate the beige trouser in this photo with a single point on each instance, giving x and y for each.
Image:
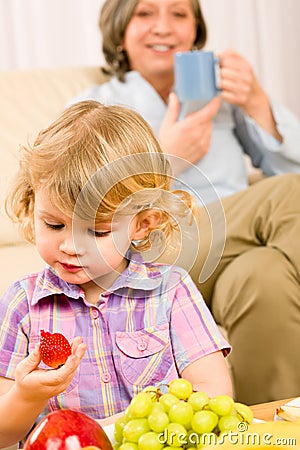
(254, 293)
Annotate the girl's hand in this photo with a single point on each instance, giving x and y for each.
(240, 87)
(189, 138)
(35, 384)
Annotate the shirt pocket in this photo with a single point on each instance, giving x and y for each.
(145, 355)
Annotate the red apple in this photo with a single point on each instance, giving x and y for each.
(67, 430)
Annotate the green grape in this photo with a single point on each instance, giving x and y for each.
(149, 441)
(228, 423)
(204, 421)
(141, 405)
(118, 429)
(180, 387)
(128, 446)
(198, 400)
(152, 391)
(134, 429)
(181, 412)
(176, 435)
(245, 413)
(128, 414)
(157, 408)
(221, 405)
(150, 388)
(167, 400)
(118, 437)
(158, 421)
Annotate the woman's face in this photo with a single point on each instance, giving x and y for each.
(158, 29)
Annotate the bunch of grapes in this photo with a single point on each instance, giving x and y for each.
(177, 418)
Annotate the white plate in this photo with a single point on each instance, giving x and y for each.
(295, 402)
(109, 430)
(258, 420)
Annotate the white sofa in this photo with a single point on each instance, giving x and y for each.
(30, 100)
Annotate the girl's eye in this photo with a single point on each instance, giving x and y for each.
(54, 226)
(99, 233)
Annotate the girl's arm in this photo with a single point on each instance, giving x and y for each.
(209, 374)
(22, 400)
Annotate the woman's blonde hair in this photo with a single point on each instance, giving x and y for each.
(96, 161)
(114, 18)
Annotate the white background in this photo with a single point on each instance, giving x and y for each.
(53, 33)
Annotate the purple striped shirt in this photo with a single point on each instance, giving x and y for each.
(145, 330)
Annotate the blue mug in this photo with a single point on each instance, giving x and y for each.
(196, 79)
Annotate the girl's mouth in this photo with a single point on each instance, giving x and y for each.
(70, 267)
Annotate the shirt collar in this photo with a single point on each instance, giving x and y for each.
(48, 283)
(139, 275)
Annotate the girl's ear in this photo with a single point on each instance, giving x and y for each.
(146, 222)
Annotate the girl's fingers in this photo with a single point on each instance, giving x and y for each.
(75, 342)
(31, 362)
(64, 374)
(80, 350)
(73, 360)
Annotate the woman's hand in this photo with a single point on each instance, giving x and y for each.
(188, 139)
(240, 87)
(34, 384)
(238, 82)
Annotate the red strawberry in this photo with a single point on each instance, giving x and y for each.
(54, 349)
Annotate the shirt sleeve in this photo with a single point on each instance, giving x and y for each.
(194, 333)
(14, 329)
(266, 152)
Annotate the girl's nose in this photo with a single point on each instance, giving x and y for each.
(68, 246)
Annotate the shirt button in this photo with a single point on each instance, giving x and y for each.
(95, 313)
(106, 377)
(142, 345)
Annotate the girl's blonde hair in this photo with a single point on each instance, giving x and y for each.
(96, 161)
(114, 18)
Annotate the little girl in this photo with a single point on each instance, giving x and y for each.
(93, 194)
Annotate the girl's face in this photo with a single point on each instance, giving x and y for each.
(81, 251)
(158, 29)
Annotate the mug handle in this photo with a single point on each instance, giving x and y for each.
(217, 68)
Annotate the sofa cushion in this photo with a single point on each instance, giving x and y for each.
(17, 261)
